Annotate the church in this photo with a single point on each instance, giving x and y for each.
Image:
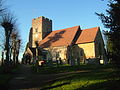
(80, 45)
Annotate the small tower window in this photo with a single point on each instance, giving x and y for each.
(36, 30)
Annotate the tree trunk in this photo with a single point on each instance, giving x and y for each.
(2, 58)
(17, 54)
(7, 48)
(14, 56)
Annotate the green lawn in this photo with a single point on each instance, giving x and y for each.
(95, 78)
(67, 68)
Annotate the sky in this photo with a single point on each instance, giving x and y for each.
(63, 13)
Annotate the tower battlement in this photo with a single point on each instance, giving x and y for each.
(42, 18)
(41, 27)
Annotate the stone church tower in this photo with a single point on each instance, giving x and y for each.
(41, 27)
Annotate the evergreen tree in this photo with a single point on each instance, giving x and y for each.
(112, 21)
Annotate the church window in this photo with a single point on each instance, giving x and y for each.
(36, 30)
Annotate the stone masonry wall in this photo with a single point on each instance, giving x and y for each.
(89, 49)
(41, 27)
(57, 53)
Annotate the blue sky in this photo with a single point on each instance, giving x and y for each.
(64, 13)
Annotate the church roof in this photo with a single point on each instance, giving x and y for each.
(63, 37)
(87, 35)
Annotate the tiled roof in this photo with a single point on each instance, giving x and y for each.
(63, 37)
(87, 35)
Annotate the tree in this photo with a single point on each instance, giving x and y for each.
(112, 21)
(2, 9)
(15, 46)
(18, 50)
(8, 23)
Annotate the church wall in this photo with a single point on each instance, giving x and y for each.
(78, 53)
(99, 47)
(57, 53)
(88, 49)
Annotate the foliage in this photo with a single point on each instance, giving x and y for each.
(112, 21)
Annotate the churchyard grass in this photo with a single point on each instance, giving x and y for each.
(94, 77)
(66, 68)
(6, 77)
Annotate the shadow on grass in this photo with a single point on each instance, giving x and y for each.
(49, 84)
(96, 73)
(99, 75)
(62, 69)
(51, 87)
(4, 79)
(107, 85)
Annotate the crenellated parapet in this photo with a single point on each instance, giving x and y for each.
(41, 27)
(42, 18)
